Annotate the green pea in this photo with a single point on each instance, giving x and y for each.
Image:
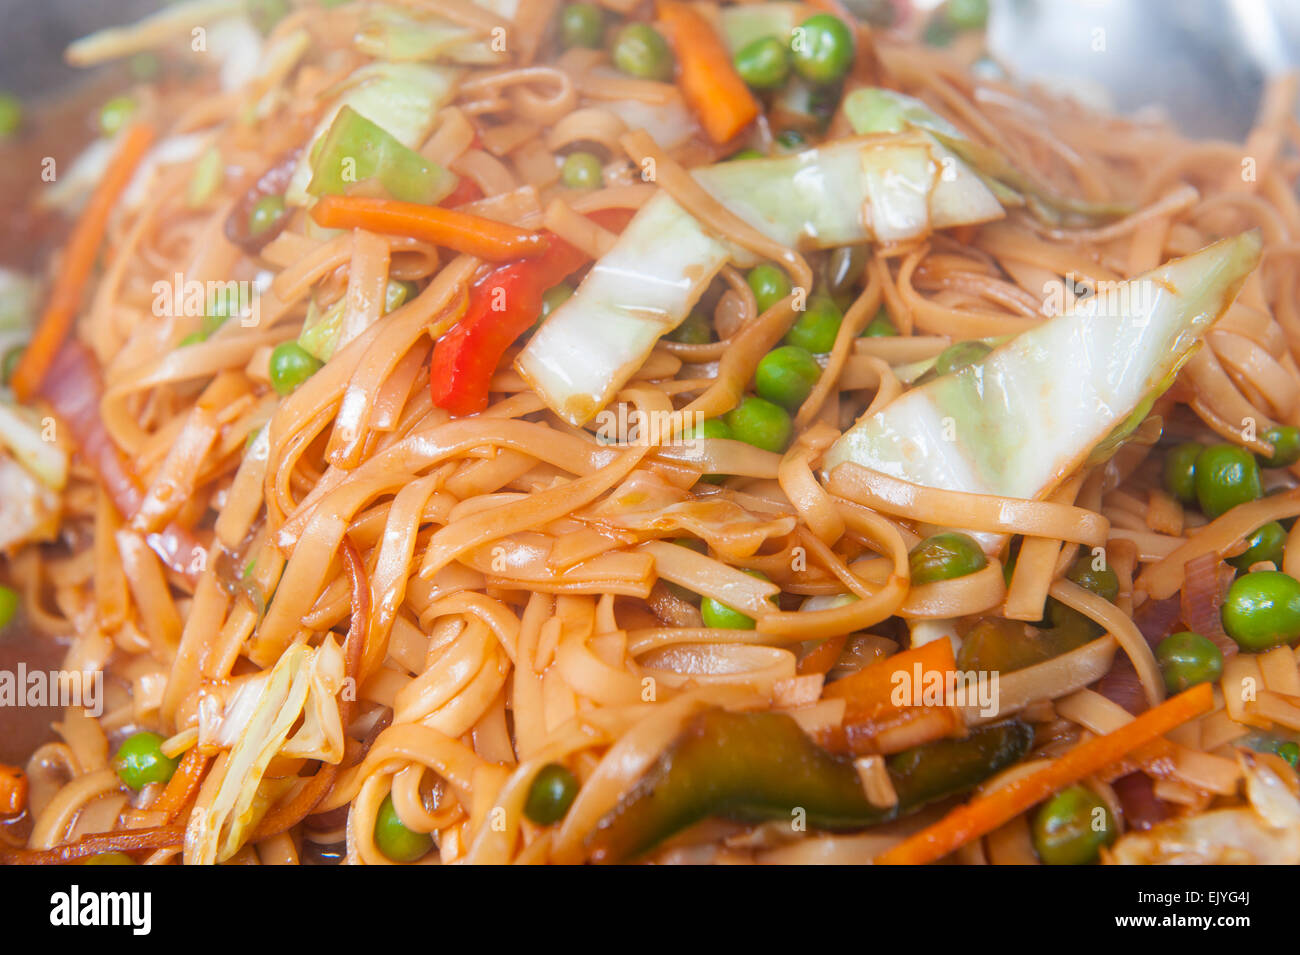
(9, 364)
(397, 293)
(11, 114)
(822, 49)
(109, 858)
(1285, 439)
(944, 557)
(640, 51)
(880, 326)
(769, 283)
(554, 297)
(710, 428)
(291, 365)
(721, 617)
(747, 153)
(1267, 543)
(193, 338)
(115, 114)
(786, 376)
(265, 14)
(763, 64)
(395, 840)
(223, 304)
(695, 329)
(1262, 610)
(1226, 476)
(1180, 471)
(8, 605)
(551, 794)
(761, 423)
(266, 212)
(140, 761)
(818, 326)
(1187, 659)
(582, 25)
(958, 356)
(1072, 826)
(582, 170)
(968, 14)
(1290, 751)
(1104, 583)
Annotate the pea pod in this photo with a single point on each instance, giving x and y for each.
(761, 766)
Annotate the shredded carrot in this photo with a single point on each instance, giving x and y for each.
(13, 790)
(987, 813)
(462, 231)
(183, 784)
(711, 85)
(78, 263)
(823, 656)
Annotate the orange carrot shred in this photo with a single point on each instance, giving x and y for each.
(183, 784)
(986, 813)
(462, 231)
(79, 262)
(707, 78)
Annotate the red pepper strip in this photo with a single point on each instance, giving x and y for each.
(466, 191)
(462, 231)
(502, 306)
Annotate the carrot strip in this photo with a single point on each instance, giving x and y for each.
(462, 231)
(183, 784)
(707, 78)
(78, 263)
(983, 815)
(13, 790)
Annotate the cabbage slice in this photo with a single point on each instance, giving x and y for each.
(1032, 411)
(852, 191)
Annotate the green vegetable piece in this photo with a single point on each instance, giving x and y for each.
(115, 114)
(822, 49)
(11, 114)
(265, 214)
(551, 794)
(140, 761)
(958, 356)
(761, 423)
(880, 326)
(786, 376)
(9, 603)
(1187, 659)
(641, 51)
(291, 365)
(1180, 471)
(395, 840)
(769, 284)
(354, 150)
(1262, 610)
(817, 327)
(582, 25)
(1285, 439)
(763, 64)
(695, 329)
(1267, 543)
(1072, 826)
(967, 14)
(944, 557)
(582, 170)
(1226, 476)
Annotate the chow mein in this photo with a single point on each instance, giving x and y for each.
(492, 431)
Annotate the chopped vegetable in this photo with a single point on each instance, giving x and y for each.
(822, 49)
(1226, 476)
(582, 25)
(1036, 407)
(709, 82)
(1285, 439)
(1180, 472)
(761, 766)
(356, 152)
(140, 761)
(761, 423)
(462, 231)
(394, 840)
(1266, 544)
(769, 283)
(78, 262)
(582, 170)
(764, 64)
(265, 215)
(967, 14)
(1262, 610)
(1072, 826)
(502, 306)
(880, 326)
(115, 114)
(11, 114)
(551, 794)
(1187, 659)
(291, 365)
(786, 376)
(640, 51)
(9, 603)
(817, 326)
(986, 813)
(956, 357)
(945, 557)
